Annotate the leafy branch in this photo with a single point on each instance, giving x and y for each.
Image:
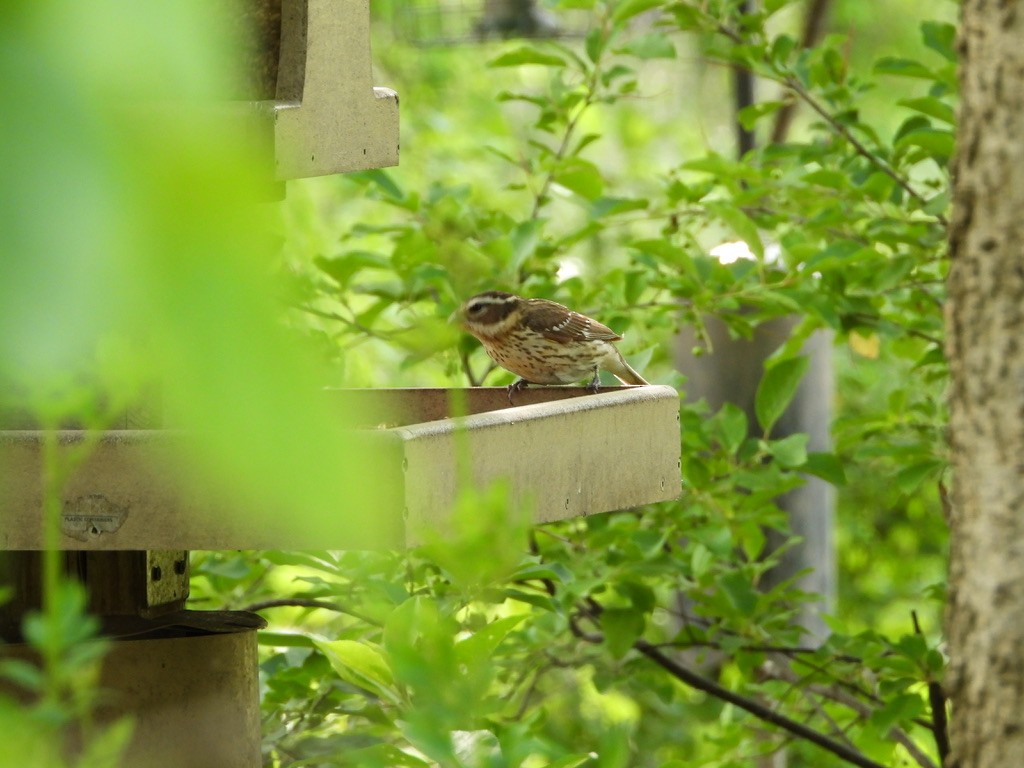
(783, 75)
(592, 610)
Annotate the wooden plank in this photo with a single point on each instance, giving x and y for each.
(565, 458)
(564, 453)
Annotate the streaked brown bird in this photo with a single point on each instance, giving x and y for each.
(544, 342)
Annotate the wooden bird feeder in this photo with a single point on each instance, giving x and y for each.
(189, 678)
(126, 531)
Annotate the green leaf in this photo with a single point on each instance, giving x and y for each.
(536, 599)
(695, 472)
(772, 6)
(361, 664)
(595, 43)
(23, 674)
(715, 164)
(622, 627)
(911, 124)
(931, 106)
(782, 47)
(480, 646)
(524, 238)
(106, 748)
(379, 178)
(827, 178)
(571, 761)
(941, 38)
(899, 709)
(936, 141)
(776, 390)
(748, 116)
(580, 176)
(382, 755)
(826, 466)
(585, 141)
(937, 204)
(894, 65)
(700, 560)
(740, 592)
(284, 639)
(654, 45)
(553, 571)
(630, 8)
(790, 451)
(910, 477)
(610, 206)
(732, 423)
(527, 54)
(687, 17)
(342, 268)
(752, 542)
(740, 223)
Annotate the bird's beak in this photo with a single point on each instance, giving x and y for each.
(456, 317)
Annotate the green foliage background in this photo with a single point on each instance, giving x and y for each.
(600, 172)
(613, 156)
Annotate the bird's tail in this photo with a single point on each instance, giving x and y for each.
(622, 371)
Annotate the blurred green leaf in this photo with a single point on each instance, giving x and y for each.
(342, 268)
(478, 648)
(908, 478)
(941, 38)
(740, 223)
(749, 115)
(621, 628)
(740, 592)
(627, 9)
(580, 176)
(733, 425)
(894, 65)
(931, 106)
(826, 466)
(650, 46)
(776, 390)
(526, 54)
(571, 761)
(363, 665)
(790, 451)
(938, 143)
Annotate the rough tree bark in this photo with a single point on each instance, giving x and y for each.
(985, 324)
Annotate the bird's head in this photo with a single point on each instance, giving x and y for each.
(489, 314)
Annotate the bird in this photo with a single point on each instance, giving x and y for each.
(544, 342)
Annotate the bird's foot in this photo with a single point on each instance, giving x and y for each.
(595, 384)
(516, 386)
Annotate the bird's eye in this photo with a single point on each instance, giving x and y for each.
(476, 308)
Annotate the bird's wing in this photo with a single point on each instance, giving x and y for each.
(558, 323)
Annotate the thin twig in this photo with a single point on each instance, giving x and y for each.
(303, 602)
(755, 708)
(814, 25)
(570, 130)
(815, 704)
(794, 84)
(879, 322)
(937, 702)
(898, 735)
(779, 649)
(686, 675)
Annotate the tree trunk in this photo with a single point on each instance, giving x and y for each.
(985, 323)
